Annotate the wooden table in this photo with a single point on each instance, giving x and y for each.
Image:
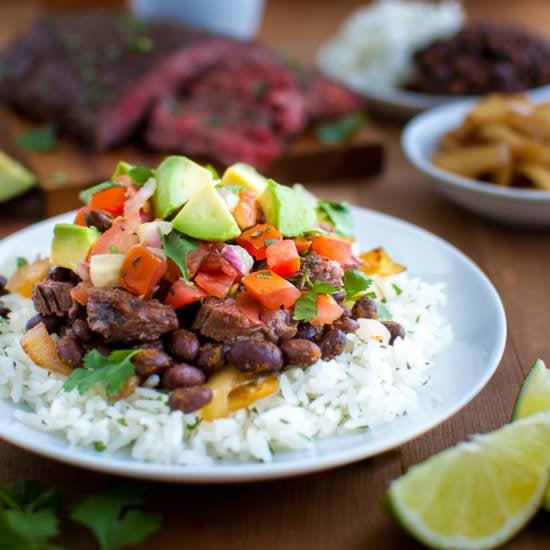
(340, 509)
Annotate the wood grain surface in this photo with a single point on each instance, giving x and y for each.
(341, 509)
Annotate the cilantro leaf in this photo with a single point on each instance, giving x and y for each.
(356, 284)
(39, 139)
(339, 215)
(114, 517)
(305, 307)
(383, 312)
(341, 129)
(140, 174)
(86, 195)
(397, 289)
(20, 262)
(27, 516)
(177, 246)
(113, 371)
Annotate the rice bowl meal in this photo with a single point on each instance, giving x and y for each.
(186, 318)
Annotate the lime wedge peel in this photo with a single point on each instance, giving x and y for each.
(478, 494)
(15, 179)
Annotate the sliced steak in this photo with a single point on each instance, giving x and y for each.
(221, 320)
(52, 297)
(120, 317)
(96, 74)
(278, 324)
(322, 269)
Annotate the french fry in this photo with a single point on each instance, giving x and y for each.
(474, 161)
(537, 174)
(503, 175)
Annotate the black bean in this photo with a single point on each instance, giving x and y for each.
(182, 375)
(51, 323)
(98, 218)
(333, 343)
(4, 311)
(300, 352)
(190, 399)
(310, 332)
(3, 283)
(365, 308)
(339, 296)
(70, 351)
(396, 330)
(183, 344)
(82, 330)
(212, 357)
(151, 361)
(347, 324)
(60, 274)
(257, 356)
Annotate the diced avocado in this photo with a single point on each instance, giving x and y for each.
(71, 244)
(287, 209)
(122, 168)
(207, 217)
(14, 178)
(177, 180)
(245, 175)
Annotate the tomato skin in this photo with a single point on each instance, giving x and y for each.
(283, 258)
(328, 310)
(142, 270)
(217, 285)
(110, 200)
(119, 238)
(253, 240)
(334, 248)
(183, 294)
(246, 211)
(302, 244)
(80, 218)
(270, 289)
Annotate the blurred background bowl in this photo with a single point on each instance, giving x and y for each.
(419, 141)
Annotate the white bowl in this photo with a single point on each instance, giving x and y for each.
(419, 141)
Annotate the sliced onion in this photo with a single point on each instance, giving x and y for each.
(137, 202)
(231, 199)
(239, 258)
(150, 233)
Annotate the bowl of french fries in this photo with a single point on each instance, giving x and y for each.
(490, 155)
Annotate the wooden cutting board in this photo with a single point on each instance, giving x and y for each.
(63, 172)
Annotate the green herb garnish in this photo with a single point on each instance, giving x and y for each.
(99, 446)
(86, 195)
(177, 246)
(383, 312)
(305, 308)
(342, 129)
(112, 371)
(397, 289)
(356, 284)
(140, 174)
(21, 262)
(338, 214)
(39, 139)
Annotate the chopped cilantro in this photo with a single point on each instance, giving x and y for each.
(417, 320)
(140, 174)
(195, 424)
(113, 371)
(21, 262)
(338, 214)
(39, 139)
(356, 284)
(397, 289)
(342, 129)
(122, 421)
(86, 195)
(305, 308)
(263, 275)
(177, 246)
(99, 446)
(383, 312)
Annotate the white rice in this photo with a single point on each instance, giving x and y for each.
(371, 384)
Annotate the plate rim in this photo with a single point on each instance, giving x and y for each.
(257, 471)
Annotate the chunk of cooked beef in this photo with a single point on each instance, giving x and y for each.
(120, 317)
(52, 297)
(278, 324)
(322, 269)
(220, 319)
(97, 74)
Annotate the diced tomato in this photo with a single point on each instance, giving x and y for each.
(80, 218)
(328, 310)
(246, 211)
(254, 239)
(217, 285)
(79, 293)
(270, 289)
(283, 258)
(172, 272)
(142, 270)
(110, 200)
(215, 264)
(182, 294)
(195, 257)
(118, 239)
(302, 244)
(248, 306)
(334, 248)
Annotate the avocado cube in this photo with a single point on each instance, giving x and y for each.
(245, 175)
(71, 244)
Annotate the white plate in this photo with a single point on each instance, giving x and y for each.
(419, 142)
(474, 310)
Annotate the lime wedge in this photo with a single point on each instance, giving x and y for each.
(14, 178)
(478, 494)
(534, 397)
